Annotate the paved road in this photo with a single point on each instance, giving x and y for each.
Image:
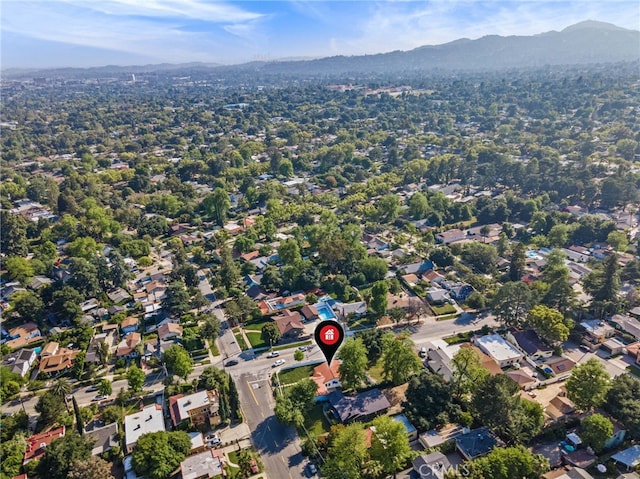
(278, 445)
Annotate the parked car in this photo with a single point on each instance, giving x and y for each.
(311, 467)
(213, 440)
(91, 389)
(279, 362)
(423, 352)
(232, 362)
(273, 354)
(302, 348)
(100, 397)
(254, 466)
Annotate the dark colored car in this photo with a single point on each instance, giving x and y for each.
(232, 362)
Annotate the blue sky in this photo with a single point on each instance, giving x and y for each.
(57, 33)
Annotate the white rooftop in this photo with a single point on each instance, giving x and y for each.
(192, 401)
(596, 327)
(498, 348)
(150, 419)
(204, 464)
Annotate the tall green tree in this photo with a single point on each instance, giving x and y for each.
(270, 334)
(92, 468)
(549, 323)
(379, 299)
(157, 454)
(428, 400)
(28, 305)
(178, 361)
(135, 378)
(596, 429)
(390, 445)
(347, 455)
(62, 453)
(353, 368)
(588, 385)
(468, 372)
(176, 300)
(13, 234)
(12, 453)
(217, 205)
(512, 303)
(603, 284)
(623, 402)
(509, 463)
(517, 265)
(399, 360)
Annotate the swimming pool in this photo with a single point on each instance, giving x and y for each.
(325, 312)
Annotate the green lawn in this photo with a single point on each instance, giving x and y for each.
(256, 325)
(633, 369)
(294, 375)
(363, 322)
(233, 472)
(241, 342)
(255, 338)
(459, 338)
(375, 372)
(444, 309)
(315, 422)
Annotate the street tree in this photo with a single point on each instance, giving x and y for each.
(157, 454)
(210, 326)
(623, 402)
(549, 323)
(353, 368)
(390, 445)
(135, 378)
(13, 234)
(588, 385)
(512, 302)
(105, 388)
(399, 360)
(178, 361)
(596, 429)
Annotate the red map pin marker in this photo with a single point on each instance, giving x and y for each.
(329, 336)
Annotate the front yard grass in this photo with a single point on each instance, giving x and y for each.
(315, 421)
(240, 339)
(375, 372)
(291, 376)
(444, 309)
(256, 325)
(633, 369)
(255, 338)
(459, 338)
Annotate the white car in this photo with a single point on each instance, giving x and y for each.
(273, 354)
(279, 362)
(100, 397)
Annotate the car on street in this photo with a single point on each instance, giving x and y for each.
(91, 389)
(302, 348)
(273, 354)
(100, 397)
(232, 362)
(279, 362)
(311, 469)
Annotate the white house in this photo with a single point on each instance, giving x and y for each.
(150, 419)
(500, 350)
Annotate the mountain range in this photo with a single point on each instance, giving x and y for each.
(587, 42)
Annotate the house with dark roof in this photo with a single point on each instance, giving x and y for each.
(476, 443)
(417, 267)
(360, 407)
(309, 312)
(19, 362)
(433, 465)
(104, 437)
(529, 343)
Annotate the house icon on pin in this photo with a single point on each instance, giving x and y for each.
(328, 334)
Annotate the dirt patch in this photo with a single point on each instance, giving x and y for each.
(396, 396)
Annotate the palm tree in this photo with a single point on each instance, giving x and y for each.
(62, 388)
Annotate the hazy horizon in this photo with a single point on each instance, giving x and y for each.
(84, 33)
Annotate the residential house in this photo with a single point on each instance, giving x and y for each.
(37, 444)
(559, 409)
(346, 310)
(619, 433)
(127, 347)
(256, 292)
(451, 236)
(20, 362)
(439, 356)
(629, 458)
(596, 331)
(118, 295)
(360, 407)
(633, 350)
(104, 437)
(577, 254)
(38, 282)
(168, 331)
(612, 346)
(417, 267)
(437, 295)
(290, 324)
(500, 350)
(627, 324)
(110, 337)
(203, 465)
(280, 303)
(129, 325)
(567, 472)
(486, 361)
(149, 419)
(530, 344)
(309, 312)
(433, 465)
(21, 336)
(560, 366)
(327, 377)
(58, 362)
(476, 443)
(89, 304)
(198, 408)
(458, 290)
(523, 379)
(410, 280)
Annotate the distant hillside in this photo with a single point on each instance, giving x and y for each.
(585, 42)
